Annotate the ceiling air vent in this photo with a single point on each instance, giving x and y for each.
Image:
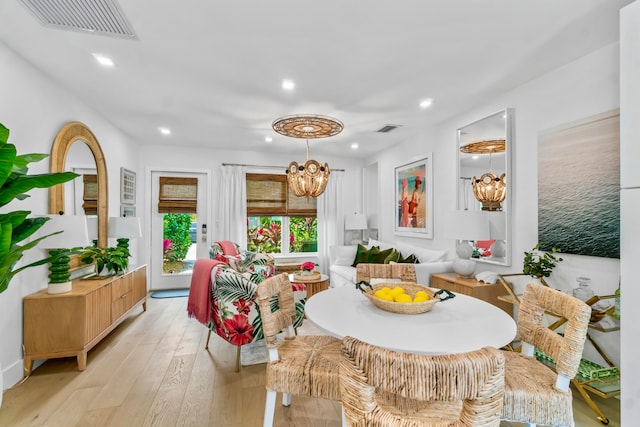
(94, 16)
(388, 128)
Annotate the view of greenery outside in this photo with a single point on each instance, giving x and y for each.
(176, 242)
(264, 234)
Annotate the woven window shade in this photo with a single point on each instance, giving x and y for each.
(268, 195)
(178, 195)
(90, 194)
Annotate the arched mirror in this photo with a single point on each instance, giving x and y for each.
(484, 166)
(69, 134)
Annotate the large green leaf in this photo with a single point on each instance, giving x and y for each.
(7, 159)
(23, 160)
(26, 183)
(4, 134)
(27, 228)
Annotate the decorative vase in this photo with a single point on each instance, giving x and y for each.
(59, 288)
(106, 272)
(583, 292)
(464, 267)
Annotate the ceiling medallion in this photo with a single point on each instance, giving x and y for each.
(489, 189)
(311, 178)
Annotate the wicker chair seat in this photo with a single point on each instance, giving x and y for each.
(308, 366)
(530, 394)
(432, 414)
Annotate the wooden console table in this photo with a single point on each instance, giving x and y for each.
(469, 286)
(72, 323)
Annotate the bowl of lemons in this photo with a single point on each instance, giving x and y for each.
(402, 297)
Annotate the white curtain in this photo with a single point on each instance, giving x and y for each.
(232, 205)
(330, 219)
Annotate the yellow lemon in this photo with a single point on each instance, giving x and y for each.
(380, 293)
(420, 298)
(386, 290)
(396, 291)
(422, 293)
(402, 298)
(385, 296)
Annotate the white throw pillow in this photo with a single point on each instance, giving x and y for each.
(344, 255)
(378, 243)
(423, 254)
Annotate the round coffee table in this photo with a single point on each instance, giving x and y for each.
(313, 285)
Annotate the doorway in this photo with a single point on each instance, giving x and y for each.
(179, 224)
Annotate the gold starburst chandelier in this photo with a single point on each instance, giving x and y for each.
(489, 189)
(311, 178)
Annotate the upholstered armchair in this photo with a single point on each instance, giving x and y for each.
(242, 260)
(235, 315)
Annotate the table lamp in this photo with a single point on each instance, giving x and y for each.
(466, 226)
(124, 228)
(355, 221)
(74, 234)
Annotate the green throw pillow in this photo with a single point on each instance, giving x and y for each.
(411, 259)
(379, 257)
(394, 256)
(362, 254)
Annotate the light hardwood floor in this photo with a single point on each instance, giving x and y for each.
(153, 371)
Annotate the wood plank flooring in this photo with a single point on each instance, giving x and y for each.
(153, 370)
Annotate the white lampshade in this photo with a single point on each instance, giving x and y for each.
(124, 227)
(497, 226)
(92, 227)
(468, 225)
(355, 221)
(74, 232)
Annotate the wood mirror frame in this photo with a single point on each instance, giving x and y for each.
(70, 133)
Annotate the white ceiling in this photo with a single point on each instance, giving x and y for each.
(211, 71)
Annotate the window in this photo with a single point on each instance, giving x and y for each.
(273, 211)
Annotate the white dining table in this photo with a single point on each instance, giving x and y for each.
(457, 325)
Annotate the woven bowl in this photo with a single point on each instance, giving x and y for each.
(403, 307)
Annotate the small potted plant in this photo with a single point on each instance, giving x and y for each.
(540, 264)
(109, 261)
(308, 268)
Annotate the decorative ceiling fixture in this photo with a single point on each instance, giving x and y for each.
(311, 178)
(489, 189)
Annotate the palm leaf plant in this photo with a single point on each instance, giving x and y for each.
(15, 226)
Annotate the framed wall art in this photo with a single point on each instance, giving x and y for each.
(127, 187)
(413, 188)
(579, 187)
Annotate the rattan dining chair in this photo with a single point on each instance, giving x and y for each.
(299, 365)
(534, 394)
(402, 272)
(380, 387)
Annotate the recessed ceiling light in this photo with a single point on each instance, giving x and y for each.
(268, 139)
(426, 103)
(354, 146)
(103, 60)
(164, 131)
(288, 84)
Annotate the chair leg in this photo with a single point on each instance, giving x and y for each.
(530, 424)
(206, 346)
(286, 399)
(238, 359)
(269, 408)
(344, 417)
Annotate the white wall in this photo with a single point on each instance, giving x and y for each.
(34, 109)
(582, 88)
(630, 198)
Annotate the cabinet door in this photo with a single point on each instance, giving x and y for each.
(98, 313)
(139, 284)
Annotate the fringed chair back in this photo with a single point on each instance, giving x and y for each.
(298, 365)
(403, 272)
(565, 349)
(534, 394)
(381, 387)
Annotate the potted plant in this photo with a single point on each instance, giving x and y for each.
(540, 264)
(109, 261)
(15, 227)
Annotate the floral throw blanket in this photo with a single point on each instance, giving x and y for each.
(235, 315)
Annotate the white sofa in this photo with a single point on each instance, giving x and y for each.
(341, 273)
